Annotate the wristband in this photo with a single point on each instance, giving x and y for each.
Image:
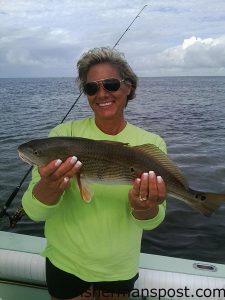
(140, 210)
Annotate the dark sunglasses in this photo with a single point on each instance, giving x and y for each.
(109, 84)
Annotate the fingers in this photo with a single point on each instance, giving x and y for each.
(136, 187)
(55, 178)
(50, 168)
(147, 191)
(58, 173)
(69, 168)
(58, 169)
(152, 187)
(161, 189)
(144, 186)
(64, 183)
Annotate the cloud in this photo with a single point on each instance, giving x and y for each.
(38, 49)
(194, 53)
(46, 37)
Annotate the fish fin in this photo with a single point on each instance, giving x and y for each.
(161, 157)
(84, 188)
(207, 202)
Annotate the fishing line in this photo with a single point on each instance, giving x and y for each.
(20, 212)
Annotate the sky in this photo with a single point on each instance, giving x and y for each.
(45, 38)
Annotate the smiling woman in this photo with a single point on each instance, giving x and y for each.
(108, 106)
(84, 254)
(107, 102)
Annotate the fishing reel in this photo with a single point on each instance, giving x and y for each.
(19, 212)
(15, 218)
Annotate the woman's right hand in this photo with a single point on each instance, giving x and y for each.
(55, 178)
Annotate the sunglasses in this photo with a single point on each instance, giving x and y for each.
(109, 84)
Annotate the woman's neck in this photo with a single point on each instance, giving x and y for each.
(110, 126)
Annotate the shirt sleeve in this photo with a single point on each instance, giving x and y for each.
(36, 210)
(154, 222)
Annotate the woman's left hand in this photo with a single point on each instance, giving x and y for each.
(147, 193)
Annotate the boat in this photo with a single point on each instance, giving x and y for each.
(22, 274)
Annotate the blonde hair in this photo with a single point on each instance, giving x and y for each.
(106, 55)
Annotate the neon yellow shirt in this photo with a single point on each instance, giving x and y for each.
(100, 240)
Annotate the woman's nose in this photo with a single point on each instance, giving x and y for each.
(101, 90)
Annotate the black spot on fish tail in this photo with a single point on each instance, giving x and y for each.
(200, 197)
(207, 203)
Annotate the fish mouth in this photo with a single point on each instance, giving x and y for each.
(25, 158)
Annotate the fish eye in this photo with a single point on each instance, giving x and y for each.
(132, 170)
(36, 152)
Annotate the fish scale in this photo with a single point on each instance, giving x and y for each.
(108, 162)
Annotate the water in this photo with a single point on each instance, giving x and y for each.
(188, 112)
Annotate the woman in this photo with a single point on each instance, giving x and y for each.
(93, 248)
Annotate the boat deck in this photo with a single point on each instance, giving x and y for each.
(22, 271)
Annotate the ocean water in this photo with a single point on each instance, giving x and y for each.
(188, 112)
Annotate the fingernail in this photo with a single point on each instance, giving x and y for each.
(145, 174)
(151, 173)
(159, 179)
(73, 160)
(78, 164)
(138, 180)
(58, 162)
(65, 179)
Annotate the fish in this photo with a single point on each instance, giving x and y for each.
(109, 162)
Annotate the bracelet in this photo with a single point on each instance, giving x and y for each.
(138, 210)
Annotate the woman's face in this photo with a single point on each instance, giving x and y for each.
(107, 105)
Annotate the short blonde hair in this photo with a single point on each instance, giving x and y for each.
(106, 55)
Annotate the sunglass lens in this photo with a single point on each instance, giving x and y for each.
(111, 84)
(90, 88)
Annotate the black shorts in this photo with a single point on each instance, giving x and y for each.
(63, 285)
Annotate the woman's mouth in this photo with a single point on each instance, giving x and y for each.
(105, 104)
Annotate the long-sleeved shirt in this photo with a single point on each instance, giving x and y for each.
(100, 240)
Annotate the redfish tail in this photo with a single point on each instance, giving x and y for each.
(207, 203)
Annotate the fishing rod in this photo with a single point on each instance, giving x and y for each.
(125, 31)
(20, 212)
